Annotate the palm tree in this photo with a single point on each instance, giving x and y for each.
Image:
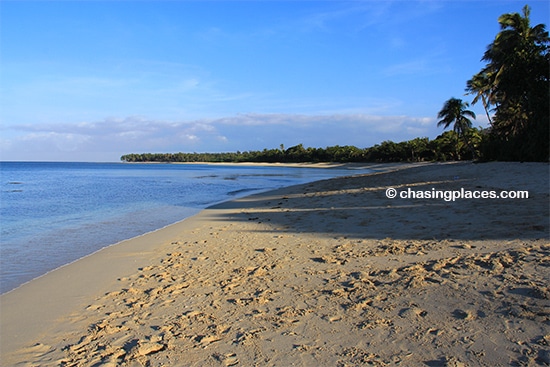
(480, 86)
(517, 84)
(455, 112)
(517, 41)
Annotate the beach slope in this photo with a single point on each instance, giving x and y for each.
(332, 273)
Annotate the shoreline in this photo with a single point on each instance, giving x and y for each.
(351, 166)
(13, 283)
(42, 316)
(29, 291)
(323, 165)
(97, 251)
(132, 252)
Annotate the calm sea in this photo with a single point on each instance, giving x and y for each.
(54, 213)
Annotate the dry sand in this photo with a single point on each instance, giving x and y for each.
(331, 273)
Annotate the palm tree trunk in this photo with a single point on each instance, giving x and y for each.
(486, 107)
(456, 147)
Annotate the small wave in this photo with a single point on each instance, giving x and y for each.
(241, 191)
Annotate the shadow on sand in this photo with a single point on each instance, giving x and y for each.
(357, 207)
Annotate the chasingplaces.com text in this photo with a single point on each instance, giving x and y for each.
(453, 195)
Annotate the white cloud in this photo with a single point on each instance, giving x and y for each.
(190, 137)
(107, 140)
(364, 14)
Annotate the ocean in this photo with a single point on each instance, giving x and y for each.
(53, 213)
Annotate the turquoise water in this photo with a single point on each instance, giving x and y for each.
(53, 213)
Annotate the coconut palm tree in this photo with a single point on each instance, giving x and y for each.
(480, 86)
(517, 84)
(516, 46)
(455, 112)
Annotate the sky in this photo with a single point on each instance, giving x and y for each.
(93, 80)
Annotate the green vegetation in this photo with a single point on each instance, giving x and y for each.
(514, 85)
(454, 112)
(444, 147)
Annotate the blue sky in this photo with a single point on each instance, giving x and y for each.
(92, 80)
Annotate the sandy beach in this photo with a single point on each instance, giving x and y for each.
(331, 273)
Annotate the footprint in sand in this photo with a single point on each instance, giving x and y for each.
(229, 359)
(412, 312)
(464, 314)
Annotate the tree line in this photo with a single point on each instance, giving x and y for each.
(513, 87)
(442, 148)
